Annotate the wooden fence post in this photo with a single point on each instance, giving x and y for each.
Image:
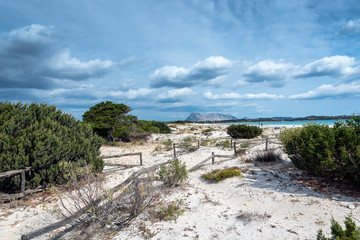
(235, 148)
(174, 150)
(212, 158)
(266, 144)
(23, 182)
(141, 159)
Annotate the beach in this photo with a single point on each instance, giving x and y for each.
(270, 201)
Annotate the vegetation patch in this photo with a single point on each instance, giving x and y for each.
(173, 173)
(221, 174)
(351, 231)
(224, 144)
(271, 155)
(207, 130)
(245, 144)
(170, 211)
(46, 139)
(168, 144)
(113, 122)
(326, 151)
(243, 131)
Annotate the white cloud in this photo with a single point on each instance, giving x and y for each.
(175, 94)
(351, 27)
(203, 71)
(275, 73)
(331, 91)
(339, 66)
(249, 96)
(35, 57)
(65, 66)
(140, 93)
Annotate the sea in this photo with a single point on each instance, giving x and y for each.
(288, 123)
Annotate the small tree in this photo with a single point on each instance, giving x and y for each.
(110, 120)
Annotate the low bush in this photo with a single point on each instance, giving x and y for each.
(153, 126)
(245, 144)
(351, 232)
(219, 175)
(243, 131)
(330, 152)
(224, 144)
(207, 130)
(170, 211)
(271, 155)
(46, 139)
(173, 173)
(168, 144)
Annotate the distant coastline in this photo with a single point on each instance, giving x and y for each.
(277, 120)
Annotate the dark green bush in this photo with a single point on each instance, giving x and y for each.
(243, 131)
(153, 126)
(331, 152)
(351, 232)
(46, 139)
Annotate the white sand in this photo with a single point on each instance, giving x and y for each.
(267, 203)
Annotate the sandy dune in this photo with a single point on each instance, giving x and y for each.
(270, 201)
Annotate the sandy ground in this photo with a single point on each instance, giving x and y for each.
(270, 201)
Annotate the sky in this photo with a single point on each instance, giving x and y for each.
(167, 59)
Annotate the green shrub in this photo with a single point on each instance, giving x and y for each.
(207, 130)
(243, 131)
(351, 232)
(219, 175)
(44, 138)
(224, 144)
(331, 152)
(245, 144)
(173, 173)
(168, 144)
(170, 211)
(153, 126)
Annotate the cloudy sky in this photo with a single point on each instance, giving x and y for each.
(166, 59)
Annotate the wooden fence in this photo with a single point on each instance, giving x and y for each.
(22, 187)
(124, 155)
(120, 187)
(233, 142)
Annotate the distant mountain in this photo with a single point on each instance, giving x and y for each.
(209, 117)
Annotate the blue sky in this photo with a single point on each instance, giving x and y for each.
(166, 59)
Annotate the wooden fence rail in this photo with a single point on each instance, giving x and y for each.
(122, 186)
(22, 187)
(233, 142)
(125, 155)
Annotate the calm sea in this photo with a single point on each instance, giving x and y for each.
(291, 123)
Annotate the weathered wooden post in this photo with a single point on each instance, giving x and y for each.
(141, 159)
(23, 182)
(198, 144)
(235, 148)
(212, 158)
(174, 150)
(266, 144)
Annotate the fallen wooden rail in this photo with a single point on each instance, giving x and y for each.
(23, 181)
(122, 186)
(125, 155)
